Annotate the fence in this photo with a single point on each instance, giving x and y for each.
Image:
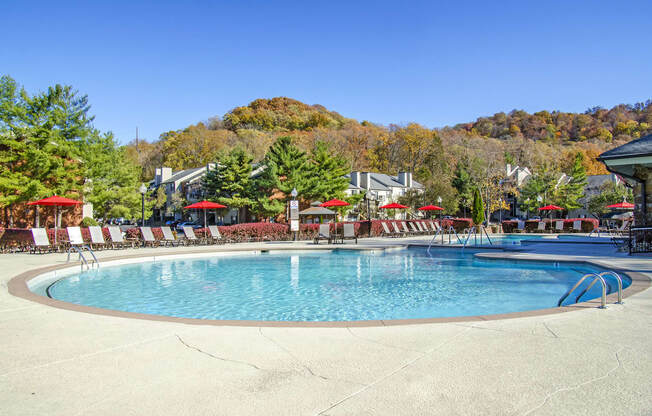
(640, 240)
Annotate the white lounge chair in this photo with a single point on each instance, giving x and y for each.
(520, 226)
(559, 226)
(414, 228)
(41, 241)
(324, 233)
(168, 237)
(404, 228)
(541, 226)
(75, 236)
(348, 233)
(97, 237)
(577, 226)
(386, 231)
(216, 236)
(397, 231)
(148, 236)
(117, 240)
(190, 235)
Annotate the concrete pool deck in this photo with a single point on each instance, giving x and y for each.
(589, 361)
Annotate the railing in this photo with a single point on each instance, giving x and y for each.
(440, 231)
(597, 277)
(79, 250)
(640, 240)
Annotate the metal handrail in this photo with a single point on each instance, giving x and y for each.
(620, 284)
(603, 300)
(440, 231)
(82, 257)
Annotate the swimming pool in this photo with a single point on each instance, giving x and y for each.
(320, 285)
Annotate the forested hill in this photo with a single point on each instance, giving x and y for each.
(534, 140)
(621, 123)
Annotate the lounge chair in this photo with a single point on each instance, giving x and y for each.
(404, 228)
(148, 237)
(434, 226)
(414, 229)
(41, 241)
(190, 235)
(97, 238)
(520, 226)
(386, 232)
(397, 231)
(75, 236)
(117, 240)
(168, 237)
(541, 226)
(425, 227)
(559, 226)
(348, 233)
(216, 236)
(577, 226)
(324, 233)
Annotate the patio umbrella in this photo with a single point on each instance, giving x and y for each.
(393, 205)
(431, 208)
(621, 205)
(204, 205)
(56, 201)
(334, 203)
(550, 208)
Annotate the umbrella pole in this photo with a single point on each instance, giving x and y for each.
(56, 217)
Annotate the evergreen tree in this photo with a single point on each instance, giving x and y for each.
(573, 191)
(610, 193)
(329, 171)
(541, 184)
(463, 183)
(477, 211)
(230, 182)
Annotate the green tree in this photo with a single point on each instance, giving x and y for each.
(570, 193)
(160, 201)
(541, 184)
(610, 193)
(229, 183)
(330, 171)
(477, 211)
(464, 184)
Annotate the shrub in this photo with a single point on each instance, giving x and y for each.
(88, 221)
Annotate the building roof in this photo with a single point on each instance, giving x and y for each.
(384, 182)
(183, 174)
(635, 148)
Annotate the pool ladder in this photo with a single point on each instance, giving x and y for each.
(596, 277)
(441, 231)
(84, 262)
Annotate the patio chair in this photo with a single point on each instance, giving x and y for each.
(191, 238)
(577, 226)
(117, 240)
(414, 228)
(541, 226)
(41, 241)
(559, 226)
(97, 238)
(348, 233)
(397, 231)
(425, 227)
(75, 237)
(386, 232)
(148, 237)
(216, 236)
(520, 226)
(404, 228)
(324, 233)
(168, 237)
(434, 226)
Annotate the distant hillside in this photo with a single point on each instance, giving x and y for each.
(621, 123)
(281, 113)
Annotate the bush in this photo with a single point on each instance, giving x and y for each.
(88, 221)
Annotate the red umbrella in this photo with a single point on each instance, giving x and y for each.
(431, 208)
(622, 205)
(550, 208)
(205, 205)
(56, 201)
(334, 203)
(393, 205)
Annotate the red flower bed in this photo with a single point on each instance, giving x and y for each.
(588, 225)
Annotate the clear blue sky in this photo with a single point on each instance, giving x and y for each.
(164, 65)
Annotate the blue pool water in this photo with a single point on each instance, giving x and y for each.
(324, 286)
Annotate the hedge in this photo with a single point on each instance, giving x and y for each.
(588, 225)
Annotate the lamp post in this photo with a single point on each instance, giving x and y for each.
(143, 191)
(439, 203)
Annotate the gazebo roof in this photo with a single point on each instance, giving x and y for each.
(316, 211)
(635, 148)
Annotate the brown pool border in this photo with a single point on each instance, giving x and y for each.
(17, 286)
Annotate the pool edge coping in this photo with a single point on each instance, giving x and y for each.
(18, 286)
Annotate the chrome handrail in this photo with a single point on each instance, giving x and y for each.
(620, 284)
(81, 256)
(603, 303)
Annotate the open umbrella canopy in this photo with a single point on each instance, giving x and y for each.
(55, 200)
(431, 208)
(393, 205)
(622, 205)
(550, 208)
(335, 203)
(205, 205)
